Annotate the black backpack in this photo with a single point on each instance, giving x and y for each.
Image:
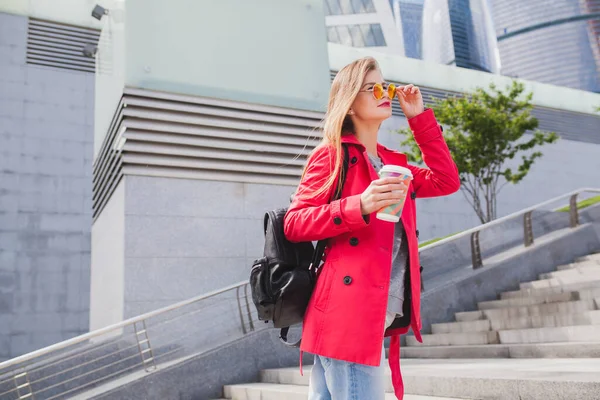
(282, 281)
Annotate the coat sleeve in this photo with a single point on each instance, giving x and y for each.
(441, 178)
(312, 218)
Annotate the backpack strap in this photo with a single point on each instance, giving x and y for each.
(321, 244)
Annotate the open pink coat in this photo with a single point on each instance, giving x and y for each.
(346, 314)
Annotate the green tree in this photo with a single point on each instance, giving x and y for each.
(484, 131)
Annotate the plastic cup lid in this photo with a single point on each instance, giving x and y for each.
(397, 169)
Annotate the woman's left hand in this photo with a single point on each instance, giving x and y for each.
(411, 100)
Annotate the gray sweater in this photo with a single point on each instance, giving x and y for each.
(399, 262)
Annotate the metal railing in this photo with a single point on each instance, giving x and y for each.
(147, 342)
(143, 343)
(528, 225)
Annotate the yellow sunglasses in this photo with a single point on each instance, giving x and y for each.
(378, 89)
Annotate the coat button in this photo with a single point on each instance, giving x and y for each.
(353, 160)
(442, 128)
(417, 232)
(347, 280)
(353, 241)
(413, 195)
(337, 220)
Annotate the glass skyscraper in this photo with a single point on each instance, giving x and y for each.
(360, 23)
(552, 41)
(461, 33)
(409, 24)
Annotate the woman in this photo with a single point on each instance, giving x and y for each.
(369, 285)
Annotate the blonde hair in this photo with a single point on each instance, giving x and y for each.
(344, 89)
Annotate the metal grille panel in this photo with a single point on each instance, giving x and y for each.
(51, 44)
(170, 135)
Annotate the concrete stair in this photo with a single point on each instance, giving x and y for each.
(277, 391)
(547, 317)
(551, 325)
(461, 378)
(589, 284)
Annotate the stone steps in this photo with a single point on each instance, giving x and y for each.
(541, 298)
(277, 391)
(580, 333)
(589, 257)
(557, 282)
(551, 290)
(482, 325)
(455, 339)
(590, 272)
(528, 350)
(550, 379)
(548, 322)
(540, 321)
(528, 301)
(568, 307)
(575, 265)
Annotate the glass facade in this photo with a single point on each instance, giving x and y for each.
(550, 41)
(367, 35)
(345, 7)
(461, 33)
(410, 13)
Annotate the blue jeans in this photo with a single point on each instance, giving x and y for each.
(333, 379)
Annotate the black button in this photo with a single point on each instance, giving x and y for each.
(337, 220)
(347, 280)
(417, 232)
(421, 269)
(442, 128)
(353, 241)
(413, 195)
(353, 160)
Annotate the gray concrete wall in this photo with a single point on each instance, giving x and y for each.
(108, 255)
(187, 237)
(45, 197)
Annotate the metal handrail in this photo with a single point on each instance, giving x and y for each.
(139, 318)
(528, 231)
(111, 328)
(21, 373)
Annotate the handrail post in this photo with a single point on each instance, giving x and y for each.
(476, 251)
(528, 229)
(248, 308)
(573, 212)
(239, 303)
(144, 346)
(25, 385)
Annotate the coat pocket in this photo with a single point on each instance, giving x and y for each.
(323, 287)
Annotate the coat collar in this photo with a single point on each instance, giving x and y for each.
(388, 156)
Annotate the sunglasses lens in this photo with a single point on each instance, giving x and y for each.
(391, 90)
(378, 91)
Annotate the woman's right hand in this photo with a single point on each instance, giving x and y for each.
(382, 193)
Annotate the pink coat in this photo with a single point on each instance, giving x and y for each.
(346, 314)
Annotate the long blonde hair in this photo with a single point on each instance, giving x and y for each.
(344, 89)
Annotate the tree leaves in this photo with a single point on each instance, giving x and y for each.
(486, 132)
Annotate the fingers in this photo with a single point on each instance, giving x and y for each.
(397, 187)
(407, 90)
(387, 181)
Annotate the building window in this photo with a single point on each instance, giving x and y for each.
(357, 35)
(345, 7)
